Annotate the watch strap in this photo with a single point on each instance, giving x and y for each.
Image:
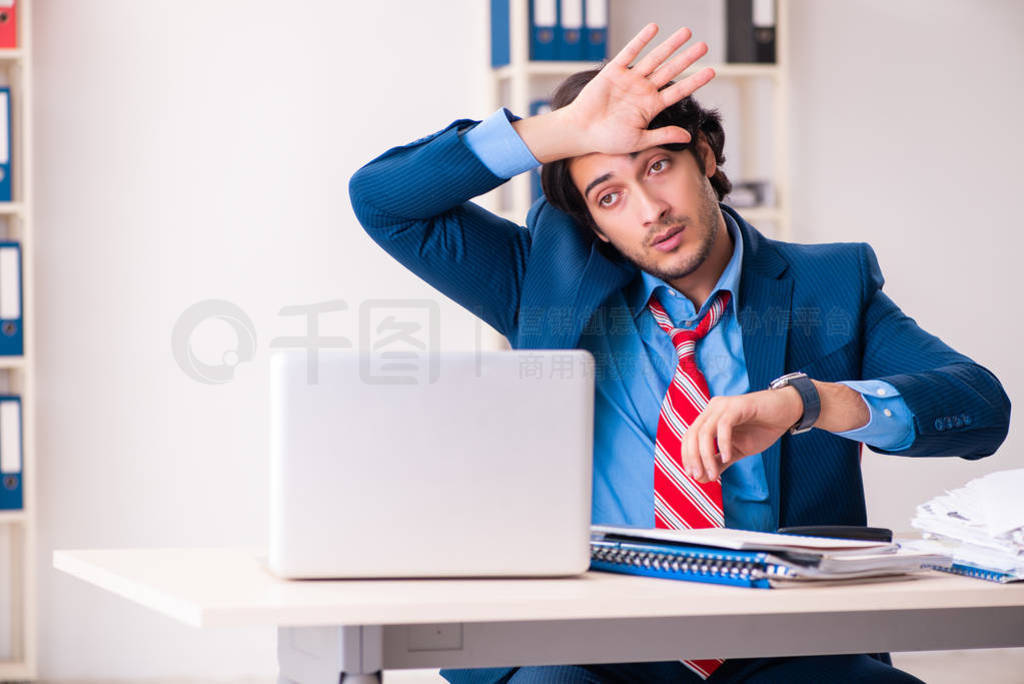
(812, 403)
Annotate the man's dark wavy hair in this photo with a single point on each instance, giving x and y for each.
(701, 123)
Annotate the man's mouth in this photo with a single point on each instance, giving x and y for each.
(668, 240)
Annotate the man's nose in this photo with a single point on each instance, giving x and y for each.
(652, 207)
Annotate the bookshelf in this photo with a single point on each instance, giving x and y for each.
(18, 655)
(760, 149)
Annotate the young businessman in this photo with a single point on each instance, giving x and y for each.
(717, 349)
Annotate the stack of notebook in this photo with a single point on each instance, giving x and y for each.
(749, 559)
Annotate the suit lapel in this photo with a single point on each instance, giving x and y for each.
(765, 302)
(600, 278)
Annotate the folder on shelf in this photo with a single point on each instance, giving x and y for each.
(500, 39)
(595, 32)
(750, 31)
(543, 25)
(569, 36)
(11, 328)
(748, 559)
(537, 107)
(5, 144)
(8, 25)
(11, 497)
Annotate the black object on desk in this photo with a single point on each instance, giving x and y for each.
(841, 532)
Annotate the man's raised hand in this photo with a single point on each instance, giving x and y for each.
(612, 112)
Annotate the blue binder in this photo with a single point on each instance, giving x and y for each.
(5, 144)
(569, 34)
(595, 32)
(500, 40)
(11, 481)
(537, 107)
(691, 563)
(12, 338)
(979, 572)
(543, 26)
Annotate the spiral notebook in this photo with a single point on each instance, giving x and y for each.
(698, 564)
(781, 560)
(980, 573)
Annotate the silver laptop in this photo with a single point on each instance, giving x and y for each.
(455, 464)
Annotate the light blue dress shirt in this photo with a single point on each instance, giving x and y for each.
(636, 361)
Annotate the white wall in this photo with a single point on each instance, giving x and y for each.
(905, 134)
(195, 152)
(188, 152)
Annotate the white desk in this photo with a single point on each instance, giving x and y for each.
(357, 628)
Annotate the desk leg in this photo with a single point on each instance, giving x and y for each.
(329, 655)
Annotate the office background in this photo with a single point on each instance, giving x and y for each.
(193, 152)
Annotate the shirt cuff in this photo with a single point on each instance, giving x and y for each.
(498, 147)
(891, 426)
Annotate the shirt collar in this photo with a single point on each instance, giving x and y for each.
(645, 284)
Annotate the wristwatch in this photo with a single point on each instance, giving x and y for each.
(809, 395)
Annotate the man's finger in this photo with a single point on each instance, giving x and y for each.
(690, 454)
(725, 440)
(655, 57)
(708, 457)
(666, 135)
(634, 46)
(678, 64)
(675, 93)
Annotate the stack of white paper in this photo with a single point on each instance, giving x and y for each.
(980, 524)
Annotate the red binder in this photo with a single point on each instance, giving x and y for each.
(8, 25)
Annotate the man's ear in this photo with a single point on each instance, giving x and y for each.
(707, 157)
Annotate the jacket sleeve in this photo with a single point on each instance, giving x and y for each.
(413, 201)
(959, 407)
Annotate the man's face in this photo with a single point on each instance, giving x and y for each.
(656, 207)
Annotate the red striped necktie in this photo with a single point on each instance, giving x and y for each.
(680, 502)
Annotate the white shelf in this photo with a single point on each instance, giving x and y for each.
(8, 517)
(21, 573)
(12, 362)
(12, 670)
(534, 68)
(755, 214)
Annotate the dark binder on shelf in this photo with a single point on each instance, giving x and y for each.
(569, 36)
(750, 31)
(595, 31)
(11, 481)
(543, 27)
(500, 39)
(12, 339)
(8, 25)
(5, 144)
(537, 107)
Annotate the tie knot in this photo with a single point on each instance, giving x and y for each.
(685, 341)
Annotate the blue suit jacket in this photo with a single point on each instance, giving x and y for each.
(819, 309)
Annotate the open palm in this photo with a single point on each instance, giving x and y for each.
(615, 108)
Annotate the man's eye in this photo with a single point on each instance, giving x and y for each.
(659, 166)
(607, 200)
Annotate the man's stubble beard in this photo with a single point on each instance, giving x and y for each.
(709, 215)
